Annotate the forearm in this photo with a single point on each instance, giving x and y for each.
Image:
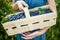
(53, 7)
(44, 30)
(52, 4)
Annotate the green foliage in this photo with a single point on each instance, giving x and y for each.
(5, 9)
(4, 20)
(53, 33)
(40, 10)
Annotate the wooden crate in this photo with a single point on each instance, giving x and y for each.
(30, 23)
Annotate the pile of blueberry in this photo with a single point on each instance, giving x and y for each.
(16, 17)
(40, 12)
(47, 11)
(33, 13)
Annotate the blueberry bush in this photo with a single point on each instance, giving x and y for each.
(6, 9)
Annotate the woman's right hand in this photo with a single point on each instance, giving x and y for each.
(20, 5)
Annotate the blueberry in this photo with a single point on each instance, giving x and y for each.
(13, 17)
(33, 13)
(18, 16)
(10, 19)
(22, 16)
(48, 11)
(36, 12)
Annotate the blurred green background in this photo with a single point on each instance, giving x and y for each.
(5, 8)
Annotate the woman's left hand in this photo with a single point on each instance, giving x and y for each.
(29, 35)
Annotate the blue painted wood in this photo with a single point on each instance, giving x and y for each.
(32, 4)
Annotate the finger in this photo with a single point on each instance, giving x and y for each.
(26, 37)
(23, 35)
(34, 33)
(29, 37)
(24, 4)
(20, 6)
(28, 32)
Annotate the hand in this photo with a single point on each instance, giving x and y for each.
(21, 4)
(29, 35)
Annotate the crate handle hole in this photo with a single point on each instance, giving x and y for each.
(14, 27)
(6, 29)
(46, 20)
(54, 18)
(24, 25)
(35, 23)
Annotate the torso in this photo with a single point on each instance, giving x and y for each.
(34, 3)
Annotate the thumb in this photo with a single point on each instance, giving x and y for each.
(24, 4)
